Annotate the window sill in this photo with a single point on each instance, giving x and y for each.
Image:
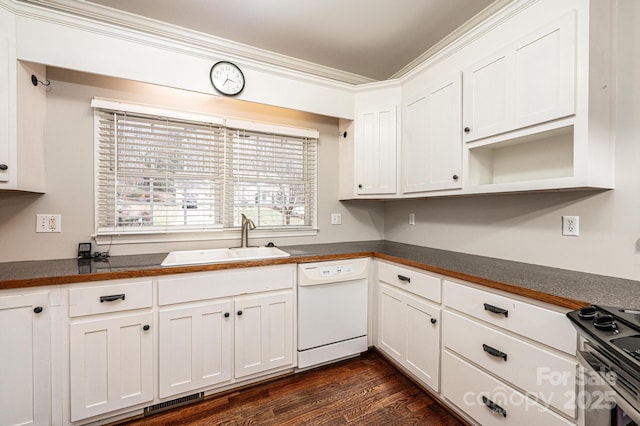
(232, 235)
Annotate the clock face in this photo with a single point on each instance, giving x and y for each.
(227, 78)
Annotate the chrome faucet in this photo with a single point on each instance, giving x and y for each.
(246, 226)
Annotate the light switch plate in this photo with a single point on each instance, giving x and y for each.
(336, 219)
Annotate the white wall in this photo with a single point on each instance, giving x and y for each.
(527, 227)
(69, 170)
(57, 39)
(518, 227)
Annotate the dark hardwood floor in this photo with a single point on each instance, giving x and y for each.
(361, 391)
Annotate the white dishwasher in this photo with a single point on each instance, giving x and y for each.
(332, 310)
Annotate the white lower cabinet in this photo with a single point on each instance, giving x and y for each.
(409, 332)
(195, 343)
(263, 333)
(494, 357)
(111, 347)
(488, 400)
(198, 341)
(505, 360)
(219, 328)
(111, 364)
(542, 373)
(25, 363)
(409, 325)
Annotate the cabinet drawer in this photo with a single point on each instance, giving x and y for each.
(120, 296)
(473, 391)
(547, 376)
(409, 279)
(227, 283)
(549, 327)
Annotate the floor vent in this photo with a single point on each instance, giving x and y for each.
(163, 406)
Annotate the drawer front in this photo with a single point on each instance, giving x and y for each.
(227, 283)
(541, 373)
(489, 401)
(411, 280)
(549, 327)
(101, 299)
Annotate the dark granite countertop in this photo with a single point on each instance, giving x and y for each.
(562, 287)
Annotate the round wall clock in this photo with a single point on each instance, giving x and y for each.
(227, 78)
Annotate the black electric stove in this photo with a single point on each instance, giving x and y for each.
(611, 347)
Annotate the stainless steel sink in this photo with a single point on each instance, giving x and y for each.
(194, 257)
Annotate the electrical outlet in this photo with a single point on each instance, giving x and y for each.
(412, 218)
(48, 223)
(571, 225)
(336, 219)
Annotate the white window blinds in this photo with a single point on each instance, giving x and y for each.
(270, 177)
(159, 174)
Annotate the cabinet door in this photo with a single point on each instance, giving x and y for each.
(422, 324)
(487, 97)
(431, 141)
(391, 337)
(195, 347)
(111, 364)
(409, 332)
(25, 360)
(7, 90)
(527, 83)
(263, 333)
(375, 150)
(545, 73)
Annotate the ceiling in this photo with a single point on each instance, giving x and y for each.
(372, 39)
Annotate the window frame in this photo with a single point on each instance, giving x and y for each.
(122, 235)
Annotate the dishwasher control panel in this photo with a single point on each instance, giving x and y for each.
(336, 270)
(332, 271)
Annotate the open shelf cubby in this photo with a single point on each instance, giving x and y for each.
(540, 156)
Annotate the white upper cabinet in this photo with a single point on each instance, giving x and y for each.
(22, 116)
(376, 142)
(431, 141)
(536, 114)
(376, 149)
(534, 108)
(538, 92)
(528, 82)
(7, 43)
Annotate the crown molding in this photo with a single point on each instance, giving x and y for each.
(458, 34)
(505, 10)
(191, 39)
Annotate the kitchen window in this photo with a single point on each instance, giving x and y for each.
(162, 171)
